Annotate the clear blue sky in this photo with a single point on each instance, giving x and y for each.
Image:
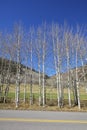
(34, 12)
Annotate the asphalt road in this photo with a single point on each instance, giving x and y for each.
(41, 120)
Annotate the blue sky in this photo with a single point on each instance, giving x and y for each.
(34, 12)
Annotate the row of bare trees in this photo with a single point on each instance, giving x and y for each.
(47, 48)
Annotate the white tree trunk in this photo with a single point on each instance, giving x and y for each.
(77, 82)
(25, 82)
(31, 96)
(55, 62)
(43, 85)
(68, 69)
(43, 69)
(40, 97)
(18, 72)
(59, 75)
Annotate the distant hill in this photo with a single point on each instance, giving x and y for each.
(11, 66)
(82, 76)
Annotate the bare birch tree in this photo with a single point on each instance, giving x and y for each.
(38, 51)
(77, 78)
(18, 40)
(67, 44)
(44, 45)
(31, 54)
(57, 47)
(43, 66)
(55, 61)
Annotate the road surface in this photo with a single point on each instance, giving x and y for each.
(41, 120)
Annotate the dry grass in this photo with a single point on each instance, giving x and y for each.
(51, 104)
(26, 106)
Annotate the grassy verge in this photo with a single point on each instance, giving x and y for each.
(26, 106)
(51, 100)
